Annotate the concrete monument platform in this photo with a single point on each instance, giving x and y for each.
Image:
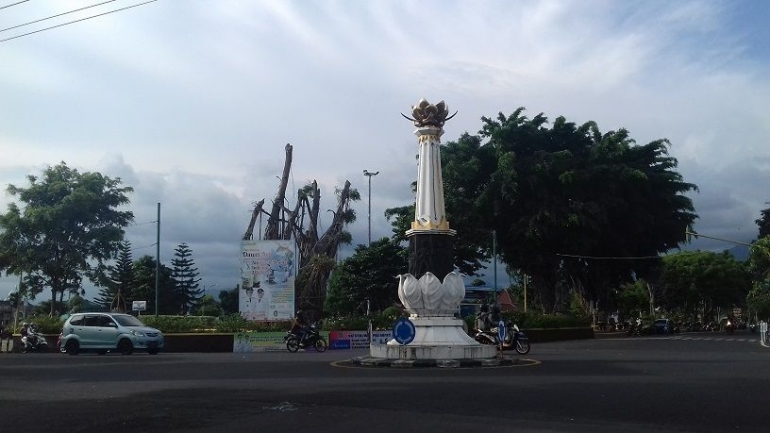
(504, 361)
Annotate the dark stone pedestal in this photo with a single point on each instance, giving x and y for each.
(431, 252)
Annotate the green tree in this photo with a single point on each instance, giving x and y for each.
(185, 274)
(69, 227)
(633, 299)
(402, 221)
(700, 281)
(367, 274)
(764, 223)
(758, 299)
(228, 300)
(208, 306)
(561, 197)
(144, 286)
(114, 295)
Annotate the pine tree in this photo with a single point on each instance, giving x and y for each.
(116, 291)
(185, 276)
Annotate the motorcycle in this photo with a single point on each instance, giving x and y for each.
(753, 327)
(514, 338)
(638, 329)
(313, 338)
(729, 327)
(33, 342)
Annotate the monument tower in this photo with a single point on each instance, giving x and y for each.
(432, 291)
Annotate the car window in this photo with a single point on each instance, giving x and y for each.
(90, 320)
(128, 320)
(104, 321)
(76, 320)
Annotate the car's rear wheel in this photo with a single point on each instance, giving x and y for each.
(125, 347)
(72, 347)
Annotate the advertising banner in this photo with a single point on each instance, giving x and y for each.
(357, 339)
(249, 342)
(267, 280)
(253, 342)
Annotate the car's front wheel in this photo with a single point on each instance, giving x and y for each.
(125, 347)
(72, 347)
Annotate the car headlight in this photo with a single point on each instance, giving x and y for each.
(137, 333)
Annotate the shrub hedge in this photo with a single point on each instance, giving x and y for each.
(384, 321)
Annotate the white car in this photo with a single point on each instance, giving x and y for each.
(104, 332)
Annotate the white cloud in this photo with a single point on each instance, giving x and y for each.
(191, 103)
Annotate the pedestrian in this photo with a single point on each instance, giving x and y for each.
(5, 338)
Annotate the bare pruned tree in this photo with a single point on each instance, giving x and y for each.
(317, 252)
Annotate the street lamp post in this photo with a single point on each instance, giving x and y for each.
(206, 292)
(369, 174)
(207, 288)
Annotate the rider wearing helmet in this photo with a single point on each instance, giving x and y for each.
(494, 315)
(299, 327)
(481, 319)
(24, 331)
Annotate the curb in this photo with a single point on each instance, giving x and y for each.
(368, 361)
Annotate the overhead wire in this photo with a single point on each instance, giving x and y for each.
(133, 224)
(76, 21)
(141, 248)
(13, 4)
(54, 16)
(608, 257)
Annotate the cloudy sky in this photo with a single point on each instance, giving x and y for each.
(191, 103)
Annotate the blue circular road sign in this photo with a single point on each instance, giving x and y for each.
(501, 331)
(403, 331)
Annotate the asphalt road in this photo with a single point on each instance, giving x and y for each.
(703, 382)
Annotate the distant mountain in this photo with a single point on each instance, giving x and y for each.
(740, 252)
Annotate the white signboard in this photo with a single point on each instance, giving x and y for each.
(139, 305)
(267, 280)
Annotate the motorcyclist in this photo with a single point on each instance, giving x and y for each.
(24, 331)
(481, 319)
(493, 319)
(299, 327)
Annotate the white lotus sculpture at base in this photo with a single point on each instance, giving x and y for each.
(438, 333)
(428, 296)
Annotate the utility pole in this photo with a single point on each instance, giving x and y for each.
(369, 174)
(157, 259)
(526, 277)
(494, 258)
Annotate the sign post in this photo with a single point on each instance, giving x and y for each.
(139, 306)
(502, 332)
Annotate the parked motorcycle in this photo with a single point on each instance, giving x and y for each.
(33, 342)
(312, 339)
(514, 338)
